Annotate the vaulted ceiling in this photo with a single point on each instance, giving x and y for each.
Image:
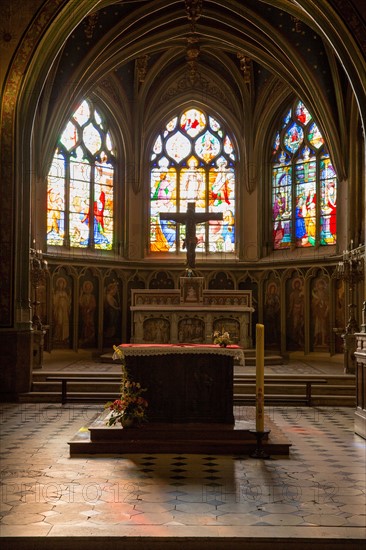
(240, 54)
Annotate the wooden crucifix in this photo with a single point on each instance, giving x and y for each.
(190, 219)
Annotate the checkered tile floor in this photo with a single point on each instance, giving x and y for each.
(318, 491)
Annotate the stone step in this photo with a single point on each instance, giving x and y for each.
(278, 399)
(250, 361)
(241, 386)
(334, 400)
(344, 381)
(297, 389)
(238, 437)
(43, 375)
(55, 397)
(82, 387)
(238, 376)
(334, 389)
(239, 398)
(339, 389)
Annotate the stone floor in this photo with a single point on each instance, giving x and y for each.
(315, 496)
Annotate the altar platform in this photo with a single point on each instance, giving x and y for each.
(192, 438)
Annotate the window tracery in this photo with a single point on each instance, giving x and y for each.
(80, 198)
(304, 184)
(192, 160)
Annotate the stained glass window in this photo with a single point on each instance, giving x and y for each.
(304, 184)
(80, 184)
(192, 160)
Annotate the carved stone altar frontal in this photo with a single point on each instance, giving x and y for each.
(190, 314)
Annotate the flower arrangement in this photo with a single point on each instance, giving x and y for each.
(130, 409)
(221, 338)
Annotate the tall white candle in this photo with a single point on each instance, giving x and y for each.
(259, 416)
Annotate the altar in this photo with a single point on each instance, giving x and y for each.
(184, 383)
(189, 390)
(190, 314)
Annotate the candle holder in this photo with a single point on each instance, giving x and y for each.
(363, 325)
(351, 270)
(259, 451)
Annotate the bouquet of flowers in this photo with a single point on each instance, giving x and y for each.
(130, 409)
(221, 338)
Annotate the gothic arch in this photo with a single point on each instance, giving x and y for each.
(31, 64)
(221, 280)
(162, 279)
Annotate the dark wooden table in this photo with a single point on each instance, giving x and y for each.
(184, 385)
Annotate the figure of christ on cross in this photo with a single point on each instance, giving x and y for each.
(190, 219)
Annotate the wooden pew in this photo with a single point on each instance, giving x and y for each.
(304, 381)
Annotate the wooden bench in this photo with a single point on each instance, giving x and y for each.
(64, 381)
(239, 399)
(274, 380)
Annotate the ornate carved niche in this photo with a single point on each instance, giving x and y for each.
(161, 279)
(221, 281)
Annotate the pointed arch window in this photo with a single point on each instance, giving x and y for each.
(192, 160)
(304, 184)
(80, 203)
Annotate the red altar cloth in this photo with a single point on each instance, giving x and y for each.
(215, 346)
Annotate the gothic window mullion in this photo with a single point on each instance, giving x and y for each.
(294, 199)
(207, 236)
(92, 206)
(318, 203)
(67, 204)
(177, 227)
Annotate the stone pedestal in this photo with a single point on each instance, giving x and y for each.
(38, 348)
(349, 348)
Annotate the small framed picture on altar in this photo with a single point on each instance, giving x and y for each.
(191, 290)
